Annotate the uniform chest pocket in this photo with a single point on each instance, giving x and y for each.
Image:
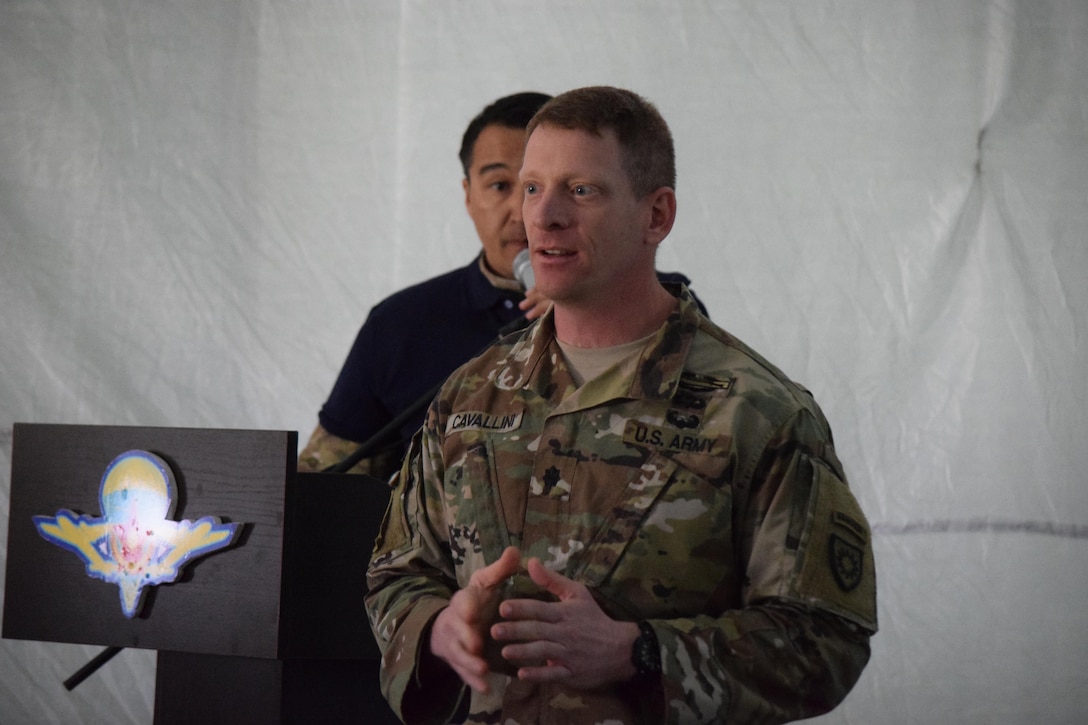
(485, 490)
(671, 551)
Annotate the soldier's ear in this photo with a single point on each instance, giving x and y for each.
(662, 207)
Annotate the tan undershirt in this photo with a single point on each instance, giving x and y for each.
(586, 363)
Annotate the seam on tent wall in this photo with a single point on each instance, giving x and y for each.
(954, 526)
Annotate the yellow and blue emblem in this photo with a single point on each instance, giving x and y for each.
(135, 544)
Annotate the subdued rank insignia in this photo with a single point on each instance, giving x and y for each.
(846, 562)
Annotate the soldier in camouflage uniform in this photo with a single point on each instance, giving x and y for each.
(677, 529)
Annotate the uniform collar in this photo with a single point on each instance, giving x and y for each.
(536, 363)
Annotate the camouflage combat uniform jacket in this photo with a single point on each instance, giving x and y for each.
(693, 486)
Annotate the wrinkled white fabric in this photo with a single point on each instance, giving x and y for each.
(200, 201)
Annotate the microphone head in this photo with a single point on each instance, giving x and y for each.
(523, 270)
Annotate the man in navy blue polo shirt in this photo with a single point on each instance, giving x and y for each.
(415, 338)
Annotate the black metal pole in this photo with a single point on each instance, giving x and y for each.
(91, 667)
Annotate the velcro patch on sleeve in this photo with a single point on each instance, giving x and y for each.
(838, 568)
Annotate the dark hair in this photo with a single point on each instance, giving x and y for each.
(510, 111)
(648, 154)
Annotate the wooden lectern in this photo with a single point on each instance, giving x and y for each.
(269, 630)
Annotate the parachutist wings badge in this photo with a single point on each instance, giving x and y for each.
(135, 544)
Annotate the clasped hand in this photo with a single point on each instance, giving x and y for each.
(568, 640)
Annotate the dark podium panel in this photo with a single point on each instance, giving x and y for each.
(269, 630)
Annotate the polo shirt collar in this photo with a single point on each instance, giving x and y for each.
(482, 292)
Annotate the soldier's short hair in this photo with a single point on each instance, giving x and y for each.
(648, 154)
(512, 111)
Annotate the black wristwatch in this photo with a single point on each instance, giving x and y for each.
(645, 652)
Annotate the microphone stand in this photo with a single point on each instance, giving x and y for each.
(367, 448)
(91, 667)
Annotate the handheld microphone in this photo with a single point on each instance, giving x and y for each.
(523, 270)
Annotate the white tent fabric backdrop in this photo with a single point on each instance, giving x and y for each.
(200, 201)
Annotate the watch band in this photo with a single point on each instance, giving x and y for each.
(645, 652)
